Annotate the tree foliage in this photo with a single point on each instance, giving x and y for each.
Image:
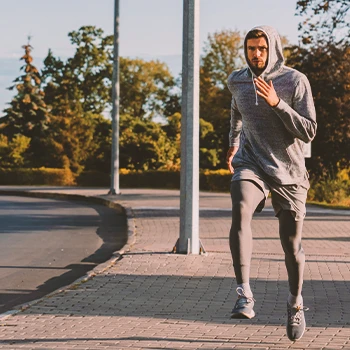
(223, 53)
(208, 152)
(71, 138)
(100, 155)
(146, 88)
(173, 131)
(85, 77)
(12, 153)
(331, 91)
(324, 58)
(144, 145)
(55, 119)
(325, 21)
(77, 91)
(28, 113)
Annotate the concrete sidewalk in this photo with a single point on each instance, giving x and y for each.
(148, 298)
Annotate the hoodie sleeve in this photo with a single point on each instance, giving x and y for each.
(236, 125)
(300, 118)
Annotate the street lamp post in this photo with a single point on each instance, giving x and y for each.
(189, 242)
(115, 189)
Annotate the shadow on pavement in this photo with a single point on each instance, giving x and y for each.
(204, 299)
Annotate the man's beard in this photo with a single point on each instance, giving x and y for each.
(257, 68)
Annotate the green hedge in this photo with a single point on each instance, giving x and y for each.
(93, 179)
(218, 181)
(215, 180)
(329, 190)
(132, 179)
(41, 176)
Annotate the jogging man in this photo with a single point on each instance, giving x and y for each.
(272, 117)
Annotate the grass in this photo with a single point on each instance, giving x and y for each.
(330, 205)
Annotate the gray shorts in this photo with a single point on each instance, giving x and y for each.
(284, 197)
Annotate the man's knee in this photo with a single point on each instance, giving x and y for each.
(290, 234)
(293, 249)
(241, 211)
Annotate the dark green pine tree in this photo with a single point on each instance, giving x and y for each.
(28, 114)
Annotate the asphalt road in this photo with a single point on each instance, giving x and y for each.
(46, 244)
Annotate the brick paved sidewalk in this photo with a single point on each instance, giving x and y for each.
(151, 299)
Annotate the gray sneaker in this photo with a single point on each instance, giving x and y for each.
(296, 322)
(244, 305)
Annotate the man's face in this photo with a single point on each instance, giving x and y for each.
(258, 53)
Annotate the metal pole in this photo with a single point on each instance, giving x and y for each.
(189, 184)
(115, 107)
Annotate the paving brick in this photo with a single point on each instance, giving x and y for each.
(152, 299)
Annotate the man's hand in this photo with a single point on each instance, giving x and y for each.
(267, 91)
(230, 154)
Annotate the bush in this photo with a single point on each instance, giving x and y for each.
(133, 179)
(209, 180)
(331, 189)
(334, 190)
(93, 178)
(215, 180)
(151, 179)
(40, 176)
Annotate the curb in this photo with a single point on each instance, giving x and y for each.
(99, 269)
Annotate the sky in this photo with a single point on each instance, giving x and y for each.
(149, 29)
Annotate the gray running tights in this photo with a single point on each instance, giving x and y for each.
(246, 196)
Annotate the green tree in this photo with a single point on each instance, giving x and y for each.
(28, 114)
(223, 53)
(59, 85)
(324, 22)
(71, 128)
(208, 157)
(146, 88)
(144, 145)
(78, 91)
(173, 131)
(331, 91)
(100, 156)
(71, 137)
(12, 153)
(208, 152)
(91, 67)
(85, 77)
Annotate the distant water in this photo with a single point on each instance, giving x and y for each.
(10, 70)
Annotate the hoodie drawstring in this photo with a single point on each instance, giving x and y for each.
(256, 95)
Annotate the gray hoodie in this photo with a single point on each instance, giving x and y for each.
(272, 139)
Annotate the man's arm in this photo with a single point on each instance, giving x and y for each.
(300, 118)
(230, 154)
(235, 131)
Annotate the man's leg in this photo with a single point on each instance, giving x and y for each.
(246, 196)
(290, 235)
(290, 232)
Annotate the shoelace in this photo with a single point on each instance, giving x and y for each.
(295, 318)
(242, 296)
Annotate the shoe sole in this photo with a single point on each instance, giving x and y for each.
(243, 315)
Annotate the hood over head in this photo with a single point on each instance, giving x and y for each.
(275, 60)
